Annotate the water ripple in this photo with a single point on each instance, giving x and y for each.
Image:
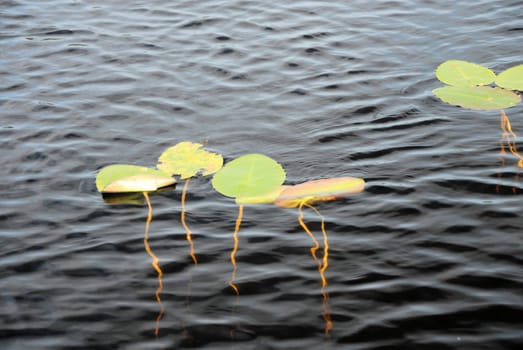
(427, 257)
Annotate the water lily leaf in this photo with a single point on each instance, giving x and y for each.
(479, 97)
(511, 79)
(319, 190)
(250, 175)
(131, 178)
(187, 159)
(464, 74)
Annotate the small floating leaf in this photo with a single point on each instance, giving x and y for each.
(511, 79)
(187, 159)
(319, 190)
(480, 97)
(250, 175)
(464, 74)
(131, 178)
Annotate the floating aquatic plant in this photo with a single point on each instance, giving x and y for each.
(319, 191)
(249, 179)
(306, 194)
(478, 97)
(125, 178)
(250, 175)
(185, 159)
(188, 159)
(464, 74)
(467, 88)
(511, 78)
(255, 179)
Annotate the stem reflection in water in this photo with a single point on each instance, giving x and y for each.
(155, 264)
(509, 137)
(235, 249)
(323, 264)
(184, 223)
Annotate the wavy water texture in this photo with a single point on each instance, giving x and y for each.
(428, 257)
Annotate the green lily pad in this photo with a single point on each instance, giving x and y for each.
(464, 74)
(319, 190)
(187, 159)
(479, 97)
(511, 79)
(119, 178)
(250, 175)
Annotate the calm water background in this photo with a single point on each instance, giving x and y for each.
(428, 257)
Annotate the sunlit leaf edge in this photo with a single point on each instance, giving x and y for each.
(121, 178)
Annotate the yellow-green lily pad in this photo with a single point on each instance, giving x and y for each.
(479, 97)
(511, 78)
(464, 74)
(187, 159)
(119, 178)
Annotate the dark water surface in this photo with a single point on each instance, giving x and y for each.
(430, 256)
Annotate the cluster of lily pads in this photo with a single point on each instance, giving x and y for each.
(473, 86)
(256, 178)
(469, 85)
(251, 178)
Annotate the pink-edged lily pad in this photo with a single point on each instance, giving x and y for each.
(319, 190)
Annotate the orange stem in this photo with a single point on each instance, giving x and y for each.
(306, 229)
(184, 223)
(322, 268)
(510, 137)
(235, 249)
(155, 264)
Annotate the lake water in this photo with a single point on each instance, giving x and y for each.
(429, 256)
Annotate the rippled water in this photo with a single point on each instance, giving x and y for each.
(428, 257)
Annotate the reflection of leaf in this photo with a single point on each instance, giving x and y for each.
(464, 74)
(187, 159)
(511, 79)
(250, 175)
(319, 190)
(131, 178)
(132, 198)
(480, 97)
